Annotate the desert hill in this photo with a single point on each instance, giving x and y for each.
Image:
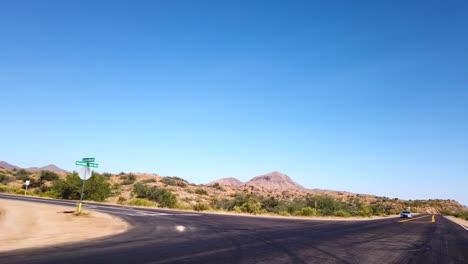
(227, 182)
(274, 181)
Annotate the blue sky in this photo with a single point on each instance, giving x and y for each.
(365, 97)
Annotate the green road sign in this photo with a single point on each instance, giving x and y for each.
(92, 165)
(88, 164)
(88, 159)
(81, 163)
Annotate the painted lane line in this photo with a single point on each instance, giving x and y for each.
(402, 221)
(433, 219)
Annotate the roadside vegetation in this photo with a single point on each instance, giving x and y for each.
(174, 192)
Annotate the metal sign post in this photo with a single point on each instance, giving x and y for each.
(85, 173)
(26, 188)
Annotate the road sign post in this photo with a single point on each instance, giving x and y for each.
(85, 173)
(26, 183)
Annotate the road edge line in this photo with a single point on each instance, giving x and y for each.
(456, 223)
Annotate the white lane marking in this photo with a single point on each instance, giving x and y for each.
(463, 227)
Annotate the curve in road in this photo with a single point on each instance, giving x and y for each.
(161, 236)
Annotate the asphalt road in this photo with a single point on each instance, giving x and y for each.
(161, 236)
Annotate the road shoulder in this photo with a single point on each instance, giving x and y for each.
(32, 225)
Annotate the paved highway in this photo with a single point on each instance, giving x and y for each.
(160, 236)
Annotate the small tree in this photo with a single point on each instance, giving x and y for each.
(96, 188)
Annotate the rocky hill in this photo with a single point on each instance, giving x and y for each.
(227, 182)
(275, 181)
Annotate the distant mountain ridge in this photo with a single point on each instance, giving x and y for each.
(50, 167)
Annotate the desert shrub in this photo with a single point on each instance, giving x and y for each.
(325, 204)
(291, 206)
(306, 211)
(342, 213)
(96, 188)
(217, 186)
(364, 210)
(5, 178)
(148, 180)
(224, 204)
(174, 181)
(121, 200)
(169, 181)
(200, 207)
(164, 197)
(128, 179)
(4, 188)
(141, 202)
(270, 205)
(106, 174)
(49, 194)
(23, 175)
(284, 213)
(48, 176)
(201, 191)
(251, 206)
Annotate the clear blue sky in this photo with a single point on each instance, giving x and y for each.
(367, 97)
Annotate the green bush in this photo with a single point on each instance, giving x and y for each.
(365, 210)
(251, 206)
(148, 180)
(284, 213)
(164, 197)
(121, 200)
(96, 188)
(306, 211)
(4, 188)
(128, 179)
(48, 176)
(5, 178)
(141, 202)
(8, 189)
(201, 191)
(270, 205)
(217, 186)
(174, 181)
(325, 204)
(200, 207)
(22, 175)
(342, 213)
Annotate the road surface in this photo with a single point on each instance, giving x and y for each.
(162, 236)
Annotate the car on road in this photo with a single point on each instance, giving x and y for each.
(406, 214)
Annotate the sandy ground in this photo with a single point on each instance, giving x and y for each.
(28, 225)
(458, 221)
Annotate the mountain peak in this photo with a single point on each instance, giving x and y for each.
(227, 182)
(275, 181)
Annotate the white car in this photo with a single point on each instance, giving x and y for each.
(406, 214)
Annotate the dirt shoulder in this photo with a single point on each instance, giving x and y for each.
(29, 225)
